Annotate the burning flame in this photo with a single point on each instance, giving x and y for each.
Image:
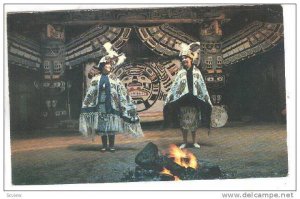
(183, 157)
(176, 178)
(168, 172)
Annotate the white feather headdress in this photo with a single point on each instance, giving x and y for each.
(112, 55)
(192, 50)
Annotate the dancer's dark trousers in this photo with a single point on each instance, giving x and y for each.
(111, 140)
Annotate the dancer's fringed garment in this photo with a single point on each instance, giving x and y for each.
(107, 108)
(179, 92)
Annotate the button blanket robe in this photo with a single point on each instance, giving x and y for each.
(179, 92)
(119, 115)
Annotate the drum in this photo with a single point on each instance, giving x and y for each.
(219, 116)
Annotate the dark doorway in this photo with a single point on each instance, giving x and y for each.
(24, 99)
(75, 91)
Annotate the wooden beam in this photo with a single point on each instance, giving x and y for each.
(128, 22)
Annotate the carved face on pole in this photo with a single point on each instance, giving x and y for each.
(186, 62)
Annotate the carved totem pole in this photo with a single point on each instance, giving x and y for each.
(212, 68)
(53, 84)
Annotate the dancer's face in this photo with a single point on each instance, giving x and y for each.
(186, 62)
(107, 68)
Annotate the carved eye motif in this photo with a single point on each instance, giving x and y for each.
(219, 60)
(220, 78)
(46, 65)
(210, 78)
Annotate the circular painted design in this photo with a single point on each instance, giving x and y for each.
(142, 83)
(219, 116)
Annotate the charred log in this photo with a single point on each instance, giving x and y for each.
(150, 166)
(148, 158)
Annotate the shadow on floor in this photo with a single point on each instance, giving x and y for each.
(85, 147)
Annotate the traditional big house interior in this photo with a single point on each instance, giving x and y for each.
(52, 53)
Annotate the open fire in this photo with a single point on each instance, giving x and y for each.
(182, 157)
(174, 165)
(168, 172)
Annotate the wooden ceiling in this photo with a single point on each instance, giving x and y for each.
(186, 19)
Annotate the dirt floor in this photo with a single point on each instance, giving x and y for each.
(65, 157)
